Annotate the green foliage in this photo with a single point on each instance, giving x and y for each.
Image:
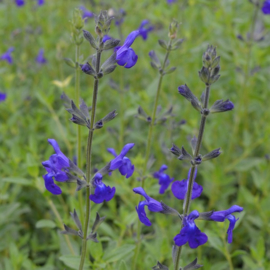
(31, 218)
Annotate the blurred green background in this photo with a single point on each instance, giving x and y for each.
(31, 217)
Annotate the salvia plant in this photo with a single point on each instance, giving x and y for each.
(90, 182)
(187, 189)
(62, 169)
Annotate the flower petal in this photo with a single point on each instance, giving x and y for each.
(232, 220)
(102, 193)
(197, 239)
(50, 185)
(57, 150)
(126, 148)
(179, 189)
(112, 151)
(141, 191)
(163, 168)
(142, 215)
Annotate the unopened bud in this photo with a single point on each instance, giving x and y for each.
(173, 29)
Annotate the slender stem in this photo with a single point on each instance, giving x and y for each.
(150, 132)
(88, 161)
(60, 221)
(148, 147)
(246, 77)
(122, 111)
(187, 202)
(79, 136)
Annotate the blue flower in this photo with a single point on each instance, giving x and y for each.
(144, 29)
(221, 106)
(19, 3)
(220, 216)
(86, 13)
(164, 179)
(50, 185)
(121, 162)
(179, 188)
(40, 59)
(7, 56)
(102, 192)
(125, 56)
(56, 163)
(190, 232)
(171, 1)
(105, 38)
(3, 97)
(151, 203)
(266, 7)
(40, 2)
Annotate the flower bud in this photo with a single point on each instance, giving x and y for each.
(173, 29)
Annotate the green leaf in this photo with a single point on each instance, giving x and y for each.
(96, 251)
(123, 266)
(45, 223)
(215, 241)
(19, 181)
(73, 261)
(238, 252)
(119, 253)
(247, 164)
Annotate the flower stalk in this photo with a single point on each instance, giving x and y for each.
(88, 158)
(79, 135)
(187, 201)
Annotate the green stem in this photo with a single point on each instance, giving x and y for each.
(88, 161)
(187, 201)
(227, 255)
(148, 147)
(60, 221)
(122, 111)
(79, 136)
(150, 132)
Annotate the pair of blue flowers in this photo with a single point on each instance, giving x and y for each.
(40, 59)
(190, 233)
(20, 3)
(61, 169)
(179, 188)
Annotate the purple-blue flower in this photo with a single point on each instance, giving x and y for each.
(145, 28)
(40, 2)
(105, 38)
(151, 203)
(125, 56)
(121, 162)
(190, 232)
(86, 13)
(164, 179)
(266, 7)
(102, 192)
(179, 188)
(40, 59)
(171, 1)
(56, 163)
(7, 56)
(50, 185)
(3, 97)
(19, 3)
(220, 216)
